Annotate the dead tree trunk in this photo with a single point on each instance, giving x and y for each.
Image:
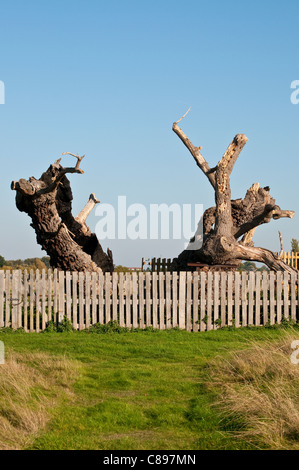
(67, 240)
(228, 227)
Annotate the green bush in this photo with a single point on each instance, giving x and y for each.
(110, 327)
(64, 326)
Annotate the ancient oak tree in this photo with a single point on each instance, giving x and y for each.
(228, 227)
(66, 239)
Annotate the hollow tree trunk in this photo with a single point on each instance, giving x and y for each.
(228, 227)
(67, 240)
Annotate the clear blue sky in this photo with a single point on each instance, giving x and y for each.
(108, 78)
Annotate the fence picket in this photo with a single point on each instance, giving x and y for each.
(182, 300)
(168, 299)
(141, 300)
(203, 301)
(195, 302)
(7, 298)
(161, 301)
(237, 299)
(75, 299)
(2, 299)
(188, 301)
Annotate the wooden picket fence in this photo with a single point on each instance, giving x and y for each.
(191, 301)
(163, 264)
(160, 264)
(292, 259)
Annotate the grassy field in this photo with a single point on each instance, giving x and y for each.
(170, 390)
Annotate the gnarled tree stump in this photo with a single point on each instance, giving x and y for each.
(228, 227)
(66, 239)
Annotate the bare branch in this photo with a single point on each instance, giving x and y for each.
(232, 153)
(81, 218)
(262, 255)
(183, 115)
(76, 156)
(195, 152)
(281, 244)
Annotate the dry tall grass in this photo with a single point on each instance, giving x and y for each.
(259, 393)
(30, 384)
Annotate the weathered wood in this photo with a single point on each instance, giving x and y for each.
(141, 303)
(128, 301)
(15, 299)
(134, 300)
(114, 297)
(94, 298)
(244, 298)
(148, 299)
(286, 296)
(107, 297)
(216, 300)
(7, 299)
(121, 293)
(278, 297)
(225, 224)
(293, 296)
(265, 284)
(61, 296)
(155, 300)
(272, 298)
(203, 325)
(43, 299)
(175, 320)
(188, 301)
(50, 295)
(237, 294)
(66, 239)
(25, 301)
(101, 298)
(75, 299)
(31, 301)
(55, 289)
(230, 299)
(182, 300)
(223, 280)
(68, 293)
(161, 301)
(81, 301)
(195, 311)
(2, 284)
(251, 289)
(168, 300)
(87, 299)
(209, 300)
(258, 299)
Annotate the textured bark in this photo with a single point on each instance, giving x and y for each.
(67, 240)
(228, 228)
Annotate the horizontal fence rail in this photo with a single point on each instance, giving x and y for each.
(187, 300)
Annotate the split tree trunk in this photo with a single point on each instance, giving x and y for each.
(67, 240)
(228, 227)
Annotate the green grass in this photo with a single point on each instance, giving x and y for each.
(142, 390)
